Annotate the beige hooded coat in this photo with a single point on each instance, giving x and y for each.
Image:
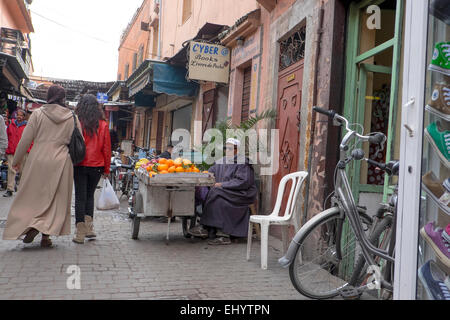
(43, 200)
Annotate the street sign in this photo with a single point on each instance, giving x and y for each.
(209, 62)
(102, 97)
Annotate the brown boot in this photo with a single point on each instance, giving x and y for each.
(46, 242)
(89, 222)
(80, 233)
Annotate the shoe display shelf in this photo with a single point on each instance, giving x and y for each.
(432, 270)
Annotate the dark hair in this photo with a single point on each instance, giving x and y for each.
(56, 95)
(89, 113)
(169, 146)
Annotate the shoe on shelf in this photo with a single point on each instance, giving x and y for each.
(438, 242)
(8, 194)
(433, 279)
(440, 61)
(440, 141)
(441, 10)
(435, 190)
(439, 103)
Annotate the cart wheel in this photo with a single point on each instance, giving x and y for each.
(135, 223)
(185, 227)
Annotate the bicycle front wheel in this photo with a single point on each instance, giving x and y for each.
(317, 272)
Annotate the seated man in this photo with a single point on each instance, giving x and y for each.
(226, 205)
(168, 153)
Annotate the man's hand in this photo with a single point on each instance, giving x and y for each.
(16, 168)
(218, 185)
(105, 176)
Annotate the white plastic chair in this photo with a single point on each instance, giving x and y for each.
(297, 179)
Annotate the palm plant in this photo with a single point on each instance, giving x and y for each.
(240, 133)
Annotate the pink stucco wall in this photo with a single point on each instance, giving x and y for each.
(174, 32)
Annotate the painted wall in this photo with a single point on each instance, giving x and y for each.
(276, 25)
(134, 38)
(174, 31)
(244, 56)
(14, 16)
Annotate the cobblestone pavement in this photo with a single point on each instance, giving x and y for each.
(116, 267)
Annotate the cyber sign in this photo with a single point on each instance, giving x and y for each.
(209, 62)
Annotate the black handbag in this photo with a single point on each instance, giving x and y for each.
(77, 147)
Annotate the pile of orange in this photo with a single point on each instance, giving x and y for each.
(178, 165)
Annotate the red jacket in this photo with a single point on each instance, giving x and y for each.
(98, 148)
(14, 134)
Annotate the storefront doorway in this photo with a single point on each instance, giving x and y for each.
(372, 91)
(181, 119)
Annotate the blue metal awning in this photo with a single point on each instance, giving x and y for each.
(171, 80)
(158, 77)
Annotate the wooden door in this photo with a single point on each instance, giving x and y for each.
(159, 131)
(288, 122)
(246, 94)
(209, 110)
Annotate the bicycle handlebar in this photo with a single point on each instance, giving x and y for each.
(377, 138)
(391, 168)
(328, 113)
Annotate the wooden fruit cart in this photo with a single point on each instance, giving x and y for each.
(170, 195)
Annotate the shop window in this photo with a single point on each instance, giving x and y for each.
(187, 10)
(434, 217)
(292, 49)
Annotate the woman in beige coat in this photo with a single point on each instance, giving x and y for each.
(43, 201)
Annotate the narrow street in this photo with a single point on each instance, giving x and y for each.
(116, 267)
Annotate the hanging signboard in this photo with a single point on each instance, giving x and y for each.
(102, 97)
(209, 62)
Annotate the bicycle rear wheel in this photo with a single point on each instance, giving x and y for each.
(316, 271)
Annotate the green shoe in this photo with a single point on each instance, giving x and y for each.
(440, 141)
(441, 58)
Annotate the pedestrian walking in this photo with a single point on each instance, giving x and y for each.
(96, 163)
(3, 137)
(43, 202)
(14, 131)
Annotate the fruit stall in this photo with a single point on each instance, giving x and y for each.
(167, 188)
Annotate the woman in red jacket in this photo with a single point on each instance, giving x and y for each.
(95, 164)
(14, 131)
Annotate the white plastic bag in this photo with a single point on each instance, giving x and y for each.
(108, 199)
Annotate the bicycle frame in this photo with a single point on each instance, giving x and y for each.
(345, 202)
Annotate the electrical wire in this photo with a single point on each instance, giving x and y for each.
(84, 33)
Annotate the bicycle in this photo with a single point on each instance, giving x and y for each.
(329, 254)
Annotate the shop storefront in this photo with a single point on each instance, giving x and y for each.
(423, 242)
(373, 90)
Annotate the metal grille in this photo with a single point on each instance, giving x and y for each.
(292, 49)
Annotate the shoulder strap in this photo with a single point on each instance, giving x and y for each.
(74, 120)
